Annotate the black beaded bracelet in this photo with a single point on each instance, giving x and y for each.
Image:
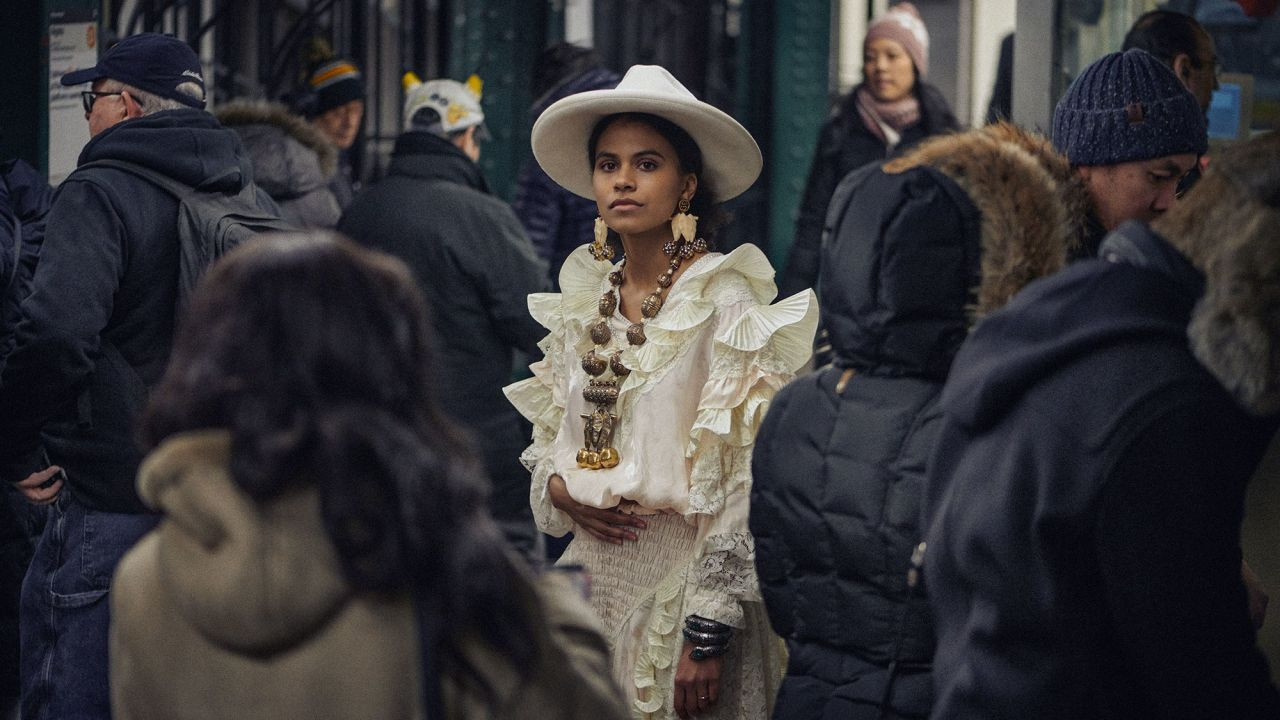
(701, 624)
(701, 638)
(703, 653)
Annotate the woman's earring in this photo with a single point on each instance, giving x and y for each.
(682, 223)
(600, 248)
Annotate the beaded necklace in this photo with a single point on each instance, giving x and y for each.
(601, 424)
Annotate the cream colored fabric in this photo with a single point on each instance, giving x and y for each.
(689, 410)
(641, 591)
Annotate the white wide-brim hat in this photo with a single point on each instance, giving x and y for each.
(731, 159)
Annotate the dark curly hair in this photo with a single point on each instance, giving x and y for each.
(315, 355)
(704, 204)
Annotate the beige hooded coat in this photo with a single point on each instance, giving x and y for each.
(235, 609)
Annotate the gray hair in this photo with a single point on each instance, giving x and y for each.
(152, 103)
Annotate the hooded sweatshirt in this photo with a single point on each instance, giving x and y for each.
(1085, 499)
(98, 325)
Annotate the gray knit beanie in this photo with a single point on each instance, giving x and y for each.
(1127, 106)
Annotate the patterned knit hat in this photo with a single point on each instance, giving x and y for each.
(333, 83)
(1127, 106)
(902, 24)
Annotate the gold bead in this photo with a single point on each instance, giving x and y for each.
(593, 363)
(608, 458)
(600, 333)
(615, 364)
(664, 280)
(608, 303)
(635, 334)
(675, 261)
(588, 459)
(615, 278)
(651, 305)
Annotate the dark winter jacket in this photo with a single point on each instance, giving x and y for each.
(292, 161)
(839, 465)
(471, 258)
(1086, 495)
(845, 144)
(556, 220)
(97, 328)
(25, 197)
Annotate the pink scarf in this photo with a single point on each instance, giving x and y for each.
(897, 115)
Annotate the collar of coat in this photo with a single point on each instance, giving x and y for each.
(425, 156)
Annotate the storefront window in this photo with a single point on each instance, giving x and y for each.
(1246, 35)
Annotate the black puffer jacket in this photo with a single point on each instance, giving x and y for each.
(477, 269)
(97, 327)
(840, 460)
(844, 145)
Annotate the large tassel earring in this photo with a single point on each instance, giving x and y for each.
(600, 248)
(684, 231)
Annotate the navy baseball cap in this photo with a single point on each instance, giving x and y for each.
(152, 62)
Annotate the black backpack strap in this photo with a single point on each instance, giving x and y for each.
(164, 182)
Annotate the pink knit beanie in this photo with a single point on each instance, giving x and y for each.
(902, 24)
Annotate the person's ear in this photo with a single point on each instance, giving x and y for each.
(132, 109)
(690, 187)
(1182, 67)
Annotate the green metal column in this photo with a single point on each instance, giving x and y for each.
(802, 32)
(499, 40)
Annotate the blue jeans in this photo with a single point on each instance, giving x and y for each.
(65, 610)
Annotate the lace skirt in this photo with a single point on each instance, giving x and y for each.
(637, 590)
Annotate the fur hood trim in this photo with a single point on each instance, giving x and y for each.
(1235, 328)
(1033, 207)
(262, 112)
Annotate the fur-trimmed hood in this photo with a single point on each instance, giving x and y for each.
(1229, 227)
(919, 249)
(1033, 206)
(290, 157)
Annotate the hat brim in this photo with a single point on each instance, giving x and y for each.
(76, 77)
(731, 159)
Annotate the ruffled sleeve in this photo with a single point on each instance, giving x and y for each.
(757, 349)
(540, 399)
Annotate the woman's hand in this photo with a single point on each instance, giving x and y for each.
(34, 489)
(697, 683)
(610, 526)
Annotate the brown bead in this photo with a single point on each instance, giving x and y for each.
(635, 334)
(600, 333)
(651, 305)
(608, 303)
(700, 245)
(615, 364)
(601, 392)
(664, 280)
(593, 363)
(675, 262)
(615, 278)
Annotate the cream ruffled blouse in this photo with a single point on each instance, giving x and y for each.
(698, 390)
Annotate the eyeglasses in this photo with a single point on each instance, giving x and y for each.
(88, 97)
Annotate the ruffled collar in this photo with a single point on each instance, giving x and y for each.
(583, 280)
